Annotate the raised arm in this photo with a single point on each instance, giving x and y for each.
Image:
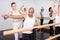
(53, 6)
(21, 7)
(23, 11)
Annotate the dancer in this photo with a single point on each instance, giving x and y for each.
(16, 22)
(52, 17)
(42, 17)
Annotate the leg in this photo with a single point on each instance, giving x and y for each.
(41, 34)
(51, 28)
(25, 36)
(51, 31)
(31, 37)
(20, 34)
(34, 34)
(41, 21)
(15, 27)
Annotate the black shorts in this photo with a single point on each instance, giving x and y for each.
(51, 28)
(27, 36)
(57, 31)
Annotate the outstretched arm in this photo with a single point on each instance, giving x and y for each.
(5, 16)
(17, 16)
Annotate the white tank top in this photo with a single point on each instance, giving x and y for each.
(57, 19)
(29, 22)
(53, 16)
(15, 13)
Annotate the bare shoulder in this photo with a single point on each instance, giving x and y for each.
(36, 18)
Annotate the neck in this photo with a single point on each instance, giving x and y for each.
(14, 9)
(31, 16)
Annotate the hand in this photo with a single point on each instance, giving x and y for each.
(55, 1)
(5, 17)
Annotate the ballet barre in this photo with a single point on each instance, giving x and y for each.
(53, 37)
(9, 32)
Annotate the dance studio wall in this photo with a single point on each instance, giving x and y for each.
(36, 4)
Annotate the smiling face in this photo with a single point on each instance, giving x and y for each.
(31, 12)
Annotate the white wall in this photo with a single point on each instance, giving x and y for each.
(5, 7)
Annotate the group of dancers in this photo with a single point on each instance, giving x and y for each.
(29, 19)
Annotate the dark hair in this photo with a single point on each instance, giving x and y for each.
(12, 3)
(42, 9)
(31, 8)
(25, 9)
(50, 9)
